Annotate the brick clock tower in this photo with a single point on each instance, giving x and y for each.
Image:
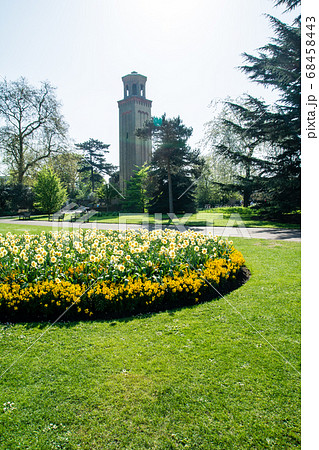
(134, 110)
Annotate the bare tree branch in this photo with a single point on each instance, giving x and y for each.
(32, 126)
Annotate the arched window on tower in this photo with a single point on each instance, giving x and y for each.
(134, 89)
(142, 90)
(127, 92)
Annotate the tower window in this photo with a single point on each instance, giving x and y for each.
(142, 90)
(127, 91)
(134, 89)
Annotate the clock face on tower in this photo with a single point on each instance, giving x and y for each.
(134, 110)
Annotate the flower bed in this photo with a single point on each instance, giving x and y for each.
(134, 272)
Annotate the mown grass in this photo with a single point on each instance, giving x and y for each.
(21, 228)
(197, 378)
(218, 217)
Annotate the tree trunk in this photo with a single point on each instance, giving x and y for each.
(20, 176)
(20, 162)
(246, 196)
(170, 190)
(247, 187)
(92, 178)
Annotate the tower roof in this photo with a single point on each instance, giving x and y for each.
(134, 85)
(134, 75)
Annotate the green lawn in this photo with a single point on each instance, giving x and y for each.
(21, 228)
(227, 216)
(196, 378)
(219, 217)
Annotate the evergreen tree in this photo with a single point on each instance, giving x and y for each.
(291, 4)
(94, 163)
(267, 148)
(173, 167)
(136, 199)
(15, 197)
(49, 192)
(278, 65)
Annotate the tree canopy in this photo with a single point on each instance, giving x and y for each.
(291, 4)
(94, 161)
(268, 137)
(173, 167)
(136, 198)
(235, 137)
(278, 65)
(49, 192)
(31, 125)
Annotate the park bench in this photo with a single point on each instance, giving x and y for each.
(58, 216)
(82, 218)
(86, 217)
(78, 214)
(24, 214)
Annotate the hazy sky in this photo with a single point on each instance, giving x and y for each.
(189, 50)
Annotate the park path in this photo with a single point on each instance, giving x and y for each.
(253, 233)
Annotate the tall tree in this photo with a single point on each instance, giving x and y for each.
(32, 127)
(94, 162)
(278, 65)
(173, 167)
(267, 147)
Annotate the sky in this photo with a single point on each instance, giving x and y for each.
(188, 49)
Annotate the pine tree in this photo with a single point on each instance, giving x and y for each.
(291, 4)
(94, 162)
(278, 66)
